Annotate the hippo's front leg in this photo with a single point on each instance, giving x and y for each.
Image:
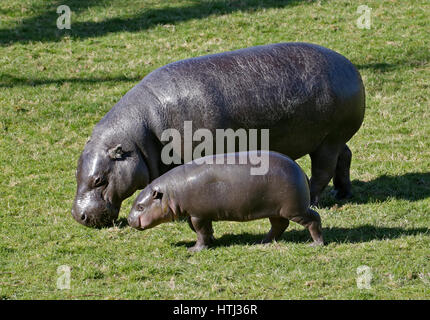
(203, 228)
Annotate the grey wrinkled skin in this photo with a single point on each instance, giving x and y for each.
(203, 193)
(311, 98)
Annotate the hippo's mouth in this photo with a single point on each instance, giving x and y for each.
(140, 223)
(98, 219)
(107, 219)
(136, 222)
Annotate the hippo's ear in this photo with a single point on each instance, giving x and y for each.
(116, 152)
(156, 194)
(168, 207)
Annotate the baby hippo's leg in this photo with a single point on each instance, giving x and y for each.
(203, 228)
(311, 220)
(279, 225)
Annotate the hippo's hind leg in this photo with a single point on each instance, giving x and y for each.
(203, 228)
(324, 161)
(279, 225)
(341, 180)
(312, 221)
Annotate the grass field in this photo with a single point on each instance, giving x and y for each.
(55, 85)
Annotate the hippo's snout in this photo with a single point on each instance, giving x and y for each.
(94, 213)
(134, 220)
(79, 216)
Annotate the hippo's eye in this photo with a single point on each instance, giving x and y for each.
(140, 207)
(98, 182)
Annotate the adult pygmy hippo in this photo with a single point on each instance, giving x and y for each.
(311, 98)
(213, 192)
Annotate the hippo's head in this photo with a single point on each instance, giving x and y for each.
(149, 209)
(106, 175)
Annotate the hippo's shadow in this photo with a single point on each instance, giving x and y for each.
(121, 223)
(411, 186)
(10, 81)
(364, 233)
(43, 28)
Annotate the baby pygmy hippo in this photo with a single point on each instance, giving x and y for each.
(205, 192)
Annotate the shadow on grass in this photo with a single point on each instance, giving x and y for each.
(380, 67)
(121, 223)
(412, 186)
(43, 27)
(8, 81)
(360, 234)
(421, 56)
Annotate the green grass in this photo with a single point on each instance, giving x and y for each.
(55, 85)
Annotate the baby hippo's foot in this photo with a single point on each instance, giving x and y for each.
(203, 242)
(279, 225)
(204, 232)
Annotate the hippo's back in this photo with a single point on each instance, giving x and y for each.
(295, 89)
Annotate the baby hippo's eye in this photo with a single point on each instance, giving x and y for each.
(140, 207)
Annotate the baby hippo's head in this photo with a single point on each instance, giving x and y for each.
(150, 209)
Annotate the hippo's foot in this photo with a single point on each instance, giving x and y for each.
(342, 195)
(314, 202)
(198, 247)
(266, 241)
(317, 244)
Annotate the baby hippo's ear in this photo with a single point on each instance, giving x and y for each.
(166, 207)
(157, 195)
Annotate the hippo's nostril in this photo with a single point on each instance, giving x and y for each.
(83, 217)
